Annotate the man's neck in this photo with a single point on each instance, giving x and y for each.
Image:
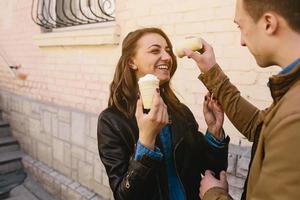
(289, 50)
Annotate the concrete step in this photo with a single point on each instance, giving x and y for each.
(34, 187)
(21, 193)
(8, 144)
(9, 147)
(4, 141)
(5, 131)
(10, 181)
(8, 157)
(11, 166)
(30, 190)
(3, 123)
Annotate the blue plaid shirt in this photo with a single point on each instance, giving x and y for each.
(290, 67)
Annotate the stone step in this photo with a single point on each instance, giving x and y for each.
(8, 144)
(5, 131)
(21, 193)
(3, 123)
(5, 141)
(10, 181)
(11, 166)
(30, 190)
(38, 191)
(8, 157)
(9, 147)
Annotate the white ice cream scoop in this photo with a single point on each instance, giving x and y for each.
(193, 44)
(147, 86)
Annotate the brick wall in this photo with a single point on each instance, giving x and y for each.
(78, 76)
(60, 144)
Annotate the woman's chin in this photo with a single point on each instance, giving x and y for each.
(163, 77)
(163, 81)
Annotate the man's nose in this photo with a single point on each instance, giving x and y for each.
(243, 42)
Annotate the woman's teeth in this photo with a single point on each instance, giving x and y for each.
(163, 67)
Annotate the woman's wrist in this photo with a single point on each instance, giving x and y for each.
(148, 142)
(217, 133)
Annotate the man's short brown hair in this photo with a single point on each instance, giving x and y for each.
(288, 9)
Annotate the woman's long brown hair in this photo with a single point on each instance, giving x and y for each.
(124, 88)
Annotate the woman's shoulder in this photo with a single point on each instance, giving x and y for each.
(112, 124)
(112, 116)
(110, 113)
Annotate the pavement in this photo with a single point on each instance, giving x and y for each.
(30, 190)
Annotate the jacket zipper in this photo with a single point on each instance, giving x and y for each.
(176, 166)
(127, 184)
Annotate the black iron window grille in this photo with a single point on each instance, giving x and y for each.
(52, 14)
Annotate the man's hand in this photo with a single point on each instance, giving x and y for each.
(214, 116)
(206, 60)
(209, 181)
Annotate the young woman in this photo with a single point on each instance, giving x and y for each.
(160, 154)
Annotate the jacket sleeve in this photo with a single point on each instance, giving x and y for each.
(217, 193)
(127, 177)
(210, 157)
(244, 116)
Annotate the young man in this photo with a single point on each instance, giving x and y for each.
(271, 31)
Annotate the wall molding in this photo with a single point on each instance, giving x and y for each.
(103, 34)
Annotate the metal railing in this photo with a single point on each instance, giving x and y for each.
(52, 14)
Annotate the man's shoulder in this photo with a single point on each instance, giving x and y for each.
(288, 106)
(291, 100)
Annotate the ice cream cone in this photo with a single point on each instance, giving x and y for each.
(194, 44)
(148, 85)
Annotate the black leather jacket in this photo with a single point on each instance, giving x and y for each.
(147, 179)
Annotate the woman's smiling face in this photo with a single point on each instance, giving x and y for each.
(153, 57)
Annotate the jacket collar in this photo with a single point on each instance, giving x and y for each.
(279, 84)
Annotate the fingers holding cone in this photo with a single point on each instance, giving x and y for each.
(139, 107)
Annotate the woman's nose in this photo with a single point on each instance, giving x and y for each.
(166, 56)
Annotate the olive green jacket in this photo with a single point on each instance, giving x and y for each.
(275, 132)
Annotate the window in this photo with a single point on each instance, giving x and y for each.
(55, 14)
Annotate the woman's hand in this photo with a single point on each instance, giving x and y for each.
(150, 124)
(214, 116)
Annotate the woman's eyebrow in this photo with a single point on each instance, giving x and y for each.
(155, 45)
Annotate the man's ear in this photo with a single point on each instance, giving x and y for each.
(271, 23)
